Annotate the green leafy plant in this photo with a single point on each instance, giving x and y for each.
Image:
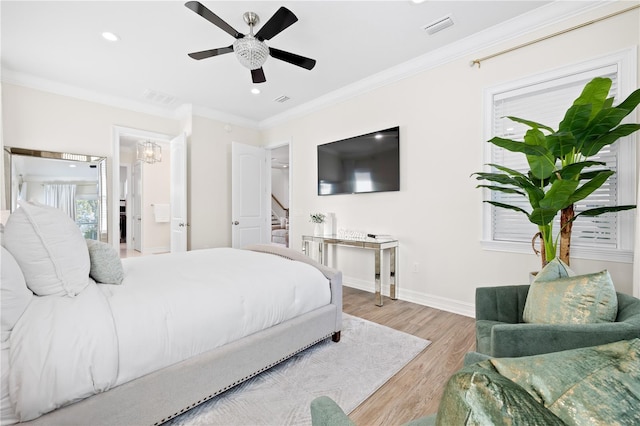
(317, 217)
(560, 170)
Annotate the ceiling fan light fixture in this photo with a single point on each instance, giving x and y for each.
(251, 52)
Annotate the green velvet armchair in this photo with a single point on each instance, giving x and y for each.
(586, 386)
(501, 332)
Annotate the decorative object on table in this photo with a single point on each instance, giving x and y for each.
(330, 225)
(561, 173)
(318, 220)
(350, 234)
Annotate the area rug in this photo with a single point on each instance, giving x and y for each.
(366, 357)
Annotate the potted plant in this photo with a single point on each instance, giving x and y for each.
(560, 170)
(318, 220)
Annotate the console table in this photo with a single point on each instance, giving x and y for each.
(379, 245)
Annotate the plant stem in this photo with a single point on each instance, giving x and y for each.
(547, 241)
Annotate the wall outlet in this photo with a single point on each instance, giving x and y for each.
(415, 267)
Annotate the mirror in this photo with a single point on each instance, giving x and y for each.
(74, 183)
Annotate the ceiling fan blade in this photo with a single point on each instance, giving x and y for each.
(201, 10)
(257, 75)
(292, 58)
(282, 19)
(212, 52)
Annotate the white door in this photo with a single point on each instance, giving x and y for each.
(179, 194)
(136, 213)
(248, 195)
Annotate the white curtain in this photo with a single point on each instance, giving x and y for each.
(61, 196)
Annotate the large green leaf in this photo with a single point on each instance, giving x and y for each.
(561, 143)
(496, 177)
(595, 93)
(631, 102)
(596, 182)
(602, 210)
(507, 170)
(594, 146)
(603, 123)
(576, 118)
(574, 170)
(542, 164)
(542, 216)
(530, 123)
(557, 197)
(515, 146)
(508, 206)
(501, 189)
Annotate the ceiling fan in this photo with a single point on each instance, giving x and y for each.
(250, 49)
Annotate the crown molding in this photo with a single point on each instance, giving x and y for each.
(45, 85)
(534, 20)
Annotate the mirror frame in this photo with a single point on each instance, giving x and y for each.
(101, 162)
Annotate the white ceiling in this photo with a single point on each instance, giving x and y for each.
(59, 42)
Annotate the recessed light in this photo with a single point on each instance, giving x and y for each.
(107, 35)
(72, 165)
(255, 91)
(378, 136)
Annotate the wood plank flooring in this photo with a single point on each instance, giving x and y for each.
(416, 390)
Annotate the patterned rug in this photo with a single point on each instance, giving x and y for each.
(367, 355)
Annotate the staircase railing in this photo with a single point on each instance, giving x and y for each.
(286, 210)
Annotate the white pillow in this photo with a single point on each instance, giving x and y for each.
(49, 248)
(14, 294)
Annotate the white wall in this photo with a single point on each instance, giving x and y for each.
(437, 214)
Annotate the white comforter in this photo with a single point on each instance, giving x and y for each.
(167, 309)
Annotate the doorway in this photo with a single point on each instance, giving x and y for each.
(148, 207)
(280, 194)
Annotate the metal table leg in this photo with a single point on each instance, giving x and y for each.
(378, 295)
(393, 265)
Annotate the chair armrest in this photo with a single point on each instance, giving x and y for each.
(325, 412)
(514, 340)
(503, 304)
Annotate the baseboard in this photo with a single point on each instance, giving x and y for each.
(432, 301)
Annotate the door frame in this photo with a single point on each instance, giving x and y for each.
(118, 132)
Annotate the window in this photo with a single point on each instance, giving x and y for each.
(544, 99)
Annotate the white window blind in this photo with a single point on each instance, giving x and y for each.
(545, 101)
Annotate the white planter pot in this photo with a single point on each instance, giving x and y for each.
(318, 230)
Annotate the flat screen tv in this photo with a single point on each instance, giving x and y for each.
(366, 163)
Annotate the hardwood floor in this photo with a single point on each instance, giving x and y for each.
(416, 390)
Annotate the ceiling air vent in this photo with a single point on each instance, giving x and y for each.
(159, 97)
(438, 25)
(282, 99)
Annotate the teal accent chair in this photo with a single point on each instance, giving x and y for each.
(501, 331)
(593, 385)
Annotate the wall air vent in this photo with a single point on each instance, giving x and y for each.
(438, 25)
(282, 99)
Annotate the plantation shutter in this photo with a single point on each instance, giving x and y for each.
(546, 103)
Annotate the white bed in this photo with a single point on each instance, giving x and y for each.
(178, 329)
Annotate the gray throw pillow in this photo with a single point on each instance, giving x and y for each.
(106, 267)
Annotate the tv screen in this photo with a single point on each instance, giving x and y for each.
(366, 163)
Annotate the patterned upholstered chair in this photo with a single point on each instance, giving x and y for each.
(502, 332)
